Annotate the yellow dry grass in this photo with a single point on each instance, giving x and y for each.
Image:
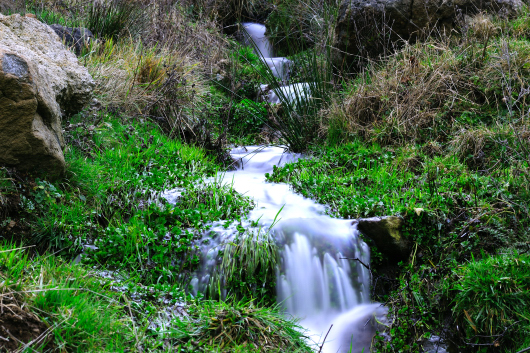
(164, 73)
(421, 93)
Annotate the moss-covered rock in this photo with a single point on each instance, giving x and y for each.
(386, 234)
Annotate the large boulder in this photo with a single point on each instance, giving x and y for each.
(40, 80)
(370, 28)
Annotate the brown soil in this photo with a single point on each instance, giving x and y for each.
(19, 327)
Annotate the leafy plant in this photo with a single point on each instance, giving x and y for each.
(248, 118)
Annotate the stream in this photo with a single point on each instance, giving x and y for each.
(317, 279)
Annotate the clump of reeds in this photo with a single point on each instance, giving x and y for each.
(304, 23)
(248, 268)
(242, 325)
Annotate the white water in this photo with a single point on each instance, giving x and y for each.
(292, 93)
(279, 66)
(314, 280)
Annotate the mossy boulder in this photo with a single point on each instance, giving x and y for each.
(385, 232)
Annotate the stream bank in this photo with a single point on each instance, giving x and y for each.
(436, 134)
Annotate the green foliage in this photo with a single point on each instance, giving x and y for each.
(490, 299)
(110, 199)
(249, 118)
(54, 17)
(115, 18)
(215, 201)
(151, 245)
(236, 327)
(248, 268)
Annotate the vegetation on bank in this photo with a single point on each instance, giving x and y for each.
(144, 246)
(437, 134)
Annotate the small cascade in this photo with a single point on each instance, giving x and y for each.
(318, 279)
(256, 32)
(279, 66)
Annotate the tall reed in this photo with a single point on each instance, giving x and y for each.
(297, 119)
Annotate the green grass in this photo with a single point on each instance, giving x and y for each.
(236, 327)
(82, 313)
(491, 296)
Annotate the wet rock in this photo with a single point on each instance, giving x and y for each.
(386, 234)
(370, 28)
(77, 38)
(40, 80)
(435, 345)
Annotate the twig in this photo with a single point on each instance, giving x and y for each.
(322, 345)
(24, 247)
(524, 350)
(498, 337)
(527, 249)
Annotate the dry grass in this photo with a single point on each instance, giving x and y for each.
(431, 90)
(397, 102)
(163, 75)
(492, 147)
(131, 76)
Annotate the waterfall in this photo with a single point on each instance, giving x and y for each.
(279, 66)
(317, 279)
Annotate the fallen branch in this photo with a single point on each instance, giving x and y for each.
(524, 350)
(322, 345)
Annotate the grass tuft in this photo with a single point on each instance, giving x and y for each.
(490, 297)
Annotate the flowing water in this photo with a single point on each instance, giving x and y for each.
(279, 66)
(317, 279)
